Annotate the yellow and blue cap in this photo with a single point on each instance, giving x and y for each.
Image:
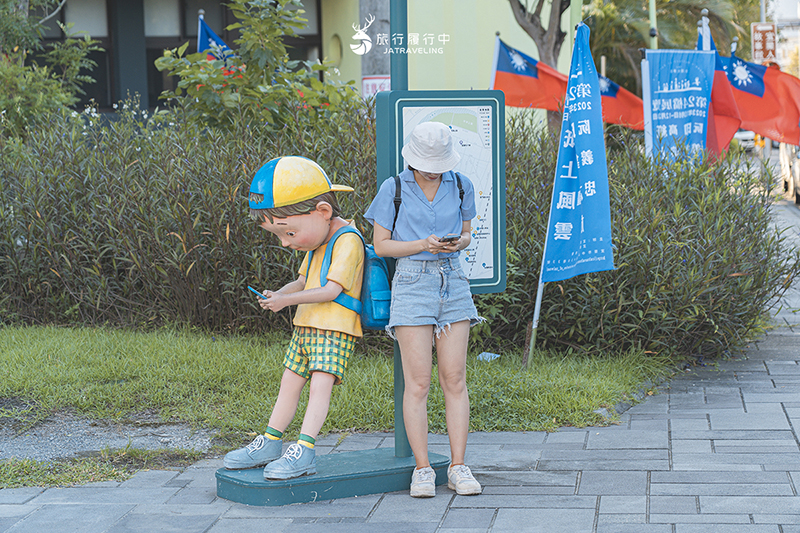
(289, 180)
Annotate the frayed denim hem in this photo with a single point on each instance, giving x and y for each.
(437, 330)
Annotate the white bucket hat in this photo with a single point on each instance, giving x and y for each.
(430, 148)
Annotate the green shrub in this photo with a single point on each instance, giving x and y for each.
(36, 81)
(143, 220)
(256, 82)
(698, 260)
(27, 95)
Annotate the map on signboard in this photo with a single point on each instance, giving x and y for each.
(471, 128)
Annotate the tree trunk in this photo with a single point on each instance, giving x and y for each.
(548, 40)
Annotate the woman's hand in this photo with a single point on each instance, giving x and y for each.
(433, 245)
(386, 247)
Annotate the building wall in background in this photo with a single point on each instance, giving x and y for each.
(462, 59)
(338, 17)
(459, 36)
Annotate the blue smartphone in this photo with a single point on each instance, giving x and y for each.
(256, 292)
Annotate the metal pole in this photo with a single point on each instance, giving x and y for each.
(540, 290)
(654, 26)
(648, 124)
(398, 63)
(200, 14)
(705, 31)
(575, 16)
(398, 68)
(763, 11)
(536, 310)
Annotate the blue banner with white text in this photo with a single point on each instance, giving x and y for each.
(680, 93)
(579, 227)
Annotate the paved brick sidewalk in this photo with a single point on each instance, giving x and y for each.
(716, 451)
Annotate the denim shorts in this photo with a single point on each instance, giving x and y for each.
(430, 293)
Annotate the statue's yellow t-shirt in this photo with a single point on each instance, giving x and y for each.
(347, 267)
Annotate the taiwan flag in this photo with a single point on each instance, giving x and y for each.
(768, 100)
(208, 41)
(621, 106)
(724, 118)
(525, 81)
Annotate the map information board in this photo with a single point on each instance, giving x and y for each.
(476, 124)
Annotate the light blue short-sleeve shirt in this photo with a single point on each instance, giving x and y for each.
(419, 218)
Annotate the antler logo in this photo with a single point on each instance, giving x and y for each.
(361, 35)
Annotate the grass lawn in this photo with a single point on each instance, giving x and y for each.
(229, 384)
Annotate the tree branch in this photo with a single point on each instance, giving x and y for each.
(54, 13)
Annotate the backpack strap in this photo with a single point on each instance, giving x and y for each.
(460, 189)
(398, 199)
(345, 300)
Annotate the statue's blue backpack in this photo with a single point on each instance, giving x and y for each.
(376, 294)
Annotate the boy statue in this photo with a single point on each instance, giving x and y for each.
(293, 198)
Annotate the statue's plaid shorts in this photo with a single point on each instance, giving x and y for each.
(319, 350)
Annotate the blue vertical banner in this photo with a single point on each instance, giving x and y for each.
(678, 95)
(579, 227)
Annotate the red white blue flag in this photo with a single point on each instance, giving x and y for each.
(724, 118)
(209, 42)
(768, 100)
(621, 106)
(526, 82)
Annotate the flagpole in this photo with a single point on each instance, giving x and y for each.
(537, 309)
(648, 119)
(653, 26)
(561, 219)
(496, 56)
(200, 14)
(540, 288)
(705, 31)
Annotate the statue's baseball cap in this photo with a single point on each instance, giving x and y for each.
(289, 180)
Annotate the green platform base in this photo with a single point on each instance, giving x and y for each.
(339, 475)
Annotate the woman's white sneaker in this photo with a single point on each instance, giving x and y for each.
(423, 483)
(461, 480)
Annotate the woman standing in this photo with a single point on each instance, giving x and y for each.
(431, 299)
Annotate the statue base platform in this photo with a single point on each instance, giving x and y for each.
(339, 475)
